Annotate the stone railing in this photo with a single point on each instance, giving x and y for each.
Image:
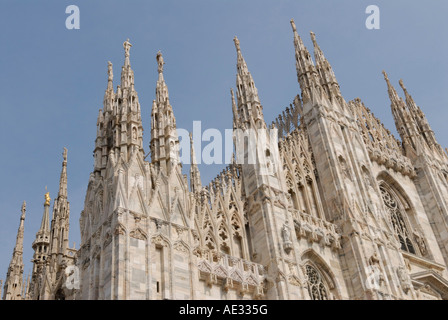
(232, 273)
(315, 229)
(390, 159)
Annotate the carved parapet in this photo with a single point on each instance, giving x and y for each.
(315, 229)
(232, 273)
(228, 284)
(391, 160)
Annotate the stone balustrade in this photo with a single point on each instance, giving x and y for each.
(315, 229)
(231, 272)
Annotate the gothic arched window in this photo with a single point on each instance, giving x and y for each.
(397, 219)
(316, 286)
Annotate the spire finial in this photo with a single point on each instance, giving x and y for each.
(406, 93)
(390, 88)
(64, 154)
(160, 62)
(110, 74)
(237, 43)
(47, 198)
(313, 38)
(293, 25)
(23, 209)
(241, 63)
(385, 76)
(127, 47)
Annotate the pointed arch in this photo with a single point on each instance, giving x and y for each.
(385, 177)
(235, 222)
(311, 260)
(405, 212)
(224, 238)
(397, 217)
(210, 241)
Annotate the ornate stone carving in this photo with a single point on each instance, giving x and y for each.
(119, 230)
(404, 278)
(344, 168)
(138, 234)
(420, 240)
(181, 247)
(286, 236)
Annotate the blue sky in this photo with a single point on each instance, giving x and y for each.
(53, 79)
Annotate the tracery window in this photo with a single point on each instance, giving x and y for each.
(316, 286)
(397, 219)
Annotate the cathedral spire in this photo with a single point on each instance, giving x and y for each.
(161, 88)
(26, 288)
(61, 216)
(393, 96)
(403, 120)
(41, 244)
(323, 67)
(164, 139)
(234, 110)
(127, 74)
(195, 175)
(247, 94)
(63, 179)
(109, 94)
(241, 63)
(409, 100)
(110, 77)
(14, 277)
(41, 247)
(127, 47)
(45, 223)
(306, 72)
(421, 122)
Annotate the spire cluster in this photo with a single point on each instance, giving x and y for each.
(411, 123)
(119, 125)
(14, 277)
(164, 139)
(317, 81)
(249, 112)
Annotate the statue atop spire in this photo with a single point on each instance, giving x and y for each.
(293, 25)
(110, 73)
(237, 43)
(23, 208)
(313, 38)
(165, 154)
(47, 199)
(127, 47)
(160, 62)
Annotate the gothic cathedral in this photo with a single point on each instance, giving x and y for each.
(340, 208)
